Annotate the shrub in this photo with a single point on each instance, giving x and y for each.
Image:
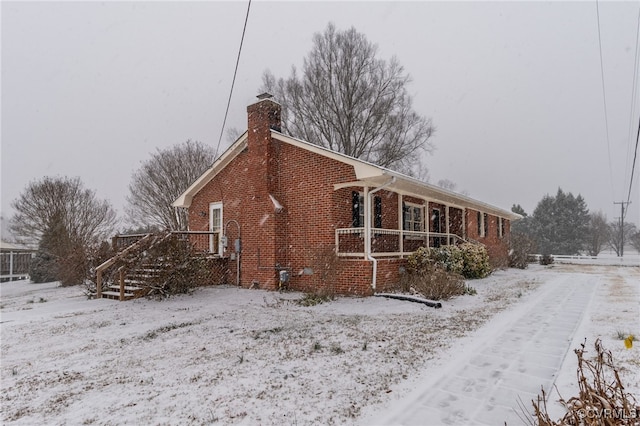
(449, 257)
(430, 278)
(546, 259)
(434, 282)
(43, 268)
(521, 247)
(476, 261)
(419, 259)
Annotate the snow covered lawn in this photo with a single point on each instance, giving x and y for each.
(237, 356)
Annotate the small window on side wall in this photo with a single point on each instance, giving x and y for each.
(485, 223)
(357, 209)
(501, 225)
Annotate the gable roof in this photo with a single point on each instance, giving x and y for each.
(367, 174)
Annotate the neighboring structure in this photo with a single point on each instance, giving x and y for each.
(14, 261)
(295, 206)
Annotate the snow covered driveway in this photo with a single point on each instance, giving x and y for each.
(506, 363)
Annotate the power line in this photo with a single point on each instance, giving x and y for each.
(633, 167)
(233, 82)
(634, 93)
(604, 99)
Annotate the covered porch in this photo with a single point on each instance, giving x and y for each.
(394, 215)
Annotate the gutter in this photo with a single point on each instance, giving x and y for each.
(368, 232)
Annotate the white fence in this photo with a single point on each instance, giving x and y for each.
(606, 258)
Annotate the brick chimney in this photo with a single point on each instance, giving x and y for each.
(261, 247)
(263, 116)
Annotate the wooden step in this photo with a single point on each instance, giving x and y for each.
(127, 288)
(115, 295)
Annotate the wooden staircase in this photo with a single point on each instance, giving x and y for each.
(134, 272)
(144, 262)
(136, 282)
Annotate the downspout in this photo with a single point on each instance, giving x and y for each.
(368, 233)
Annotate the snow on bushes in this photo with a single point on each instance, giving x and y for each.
(439, 273)
(476, 260)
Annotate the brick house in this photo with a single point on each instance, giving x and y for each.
(325, 218)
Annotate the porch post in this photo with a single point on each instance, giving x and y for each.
(446, 214)
(464, 223)
(367, 222)
(427, 221)
(10, 266)
(400, 225)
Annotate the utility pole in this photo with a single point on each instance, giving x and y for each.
(622, 204)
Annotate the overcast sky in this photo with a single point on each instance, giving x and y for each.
(514, 88)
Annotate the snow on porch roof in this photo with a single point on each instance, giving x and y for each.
(367, 174)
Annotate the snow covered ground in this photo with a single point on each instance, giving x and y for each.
(232, 356)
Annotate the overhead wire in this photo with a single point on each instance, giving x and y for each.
(633, 167)
(604, 99)
(634, 94)
(233, 81)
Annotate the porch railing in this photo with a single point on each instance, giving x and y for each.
(130, 247)
(389, 242)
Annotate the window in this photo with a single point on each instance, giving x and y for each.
(483, 224)
(486, 225)
(412, 217)
(435, 218)
(501, 225)
(215, 226)
(357, 210)
(377, 212)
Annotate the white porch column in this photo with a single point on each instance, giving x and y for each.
(446, 215)
(367, 222)
(400, 224)
(464, 223)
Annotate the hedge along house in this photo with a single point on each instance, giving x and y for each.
(328, 220)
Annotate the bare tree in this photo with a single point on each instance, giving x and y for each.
(349, 101)
(65, 202)
(66, 221)
(447, 184)
(161, 180)
(598, 233)
(232, 134)
(616, 238)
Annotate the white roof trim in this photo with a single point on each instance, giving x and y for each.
(367, 174)
(232, 152)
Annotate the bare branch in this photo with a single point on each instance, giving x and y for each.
(349, 101)
(161, 180)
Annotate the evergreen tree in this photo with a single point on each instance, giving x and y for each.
(560, 224)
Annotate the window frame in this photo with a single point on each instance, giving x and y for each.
(217, 232)
(483, 226)
(410, 209)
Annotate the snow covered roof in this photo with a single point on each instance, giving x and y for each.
(367, 174)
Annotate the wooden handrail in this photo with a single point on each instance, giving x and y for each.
(113, 260)
(147, 242)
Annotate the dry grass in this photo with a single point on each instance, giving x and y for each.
(601, 400)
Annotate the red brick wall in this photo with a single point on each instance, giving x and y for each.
(497, 247)
(301, 237)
